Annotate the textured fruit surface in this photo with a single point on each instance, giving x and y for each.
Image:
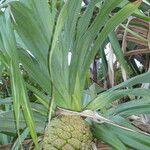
(67, 133)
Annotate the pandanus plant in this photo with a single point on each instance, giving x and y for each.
(54, 43)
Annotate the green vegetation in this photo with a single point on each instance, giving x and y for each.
(47, 49)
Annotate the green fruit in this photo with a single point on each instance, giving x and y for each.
(67, 133)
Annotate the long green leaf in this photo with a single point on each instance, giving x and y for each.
(105, 134)
(18, 89)
(142, 78)
(8, 125)
(34, 70)
(118, 52)
(109, 26)
(83, 45)
(59, 50)
(116, 137)
(84, 20)
(23, 135)
(107, 97)
(134, 107)
(42, 98)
